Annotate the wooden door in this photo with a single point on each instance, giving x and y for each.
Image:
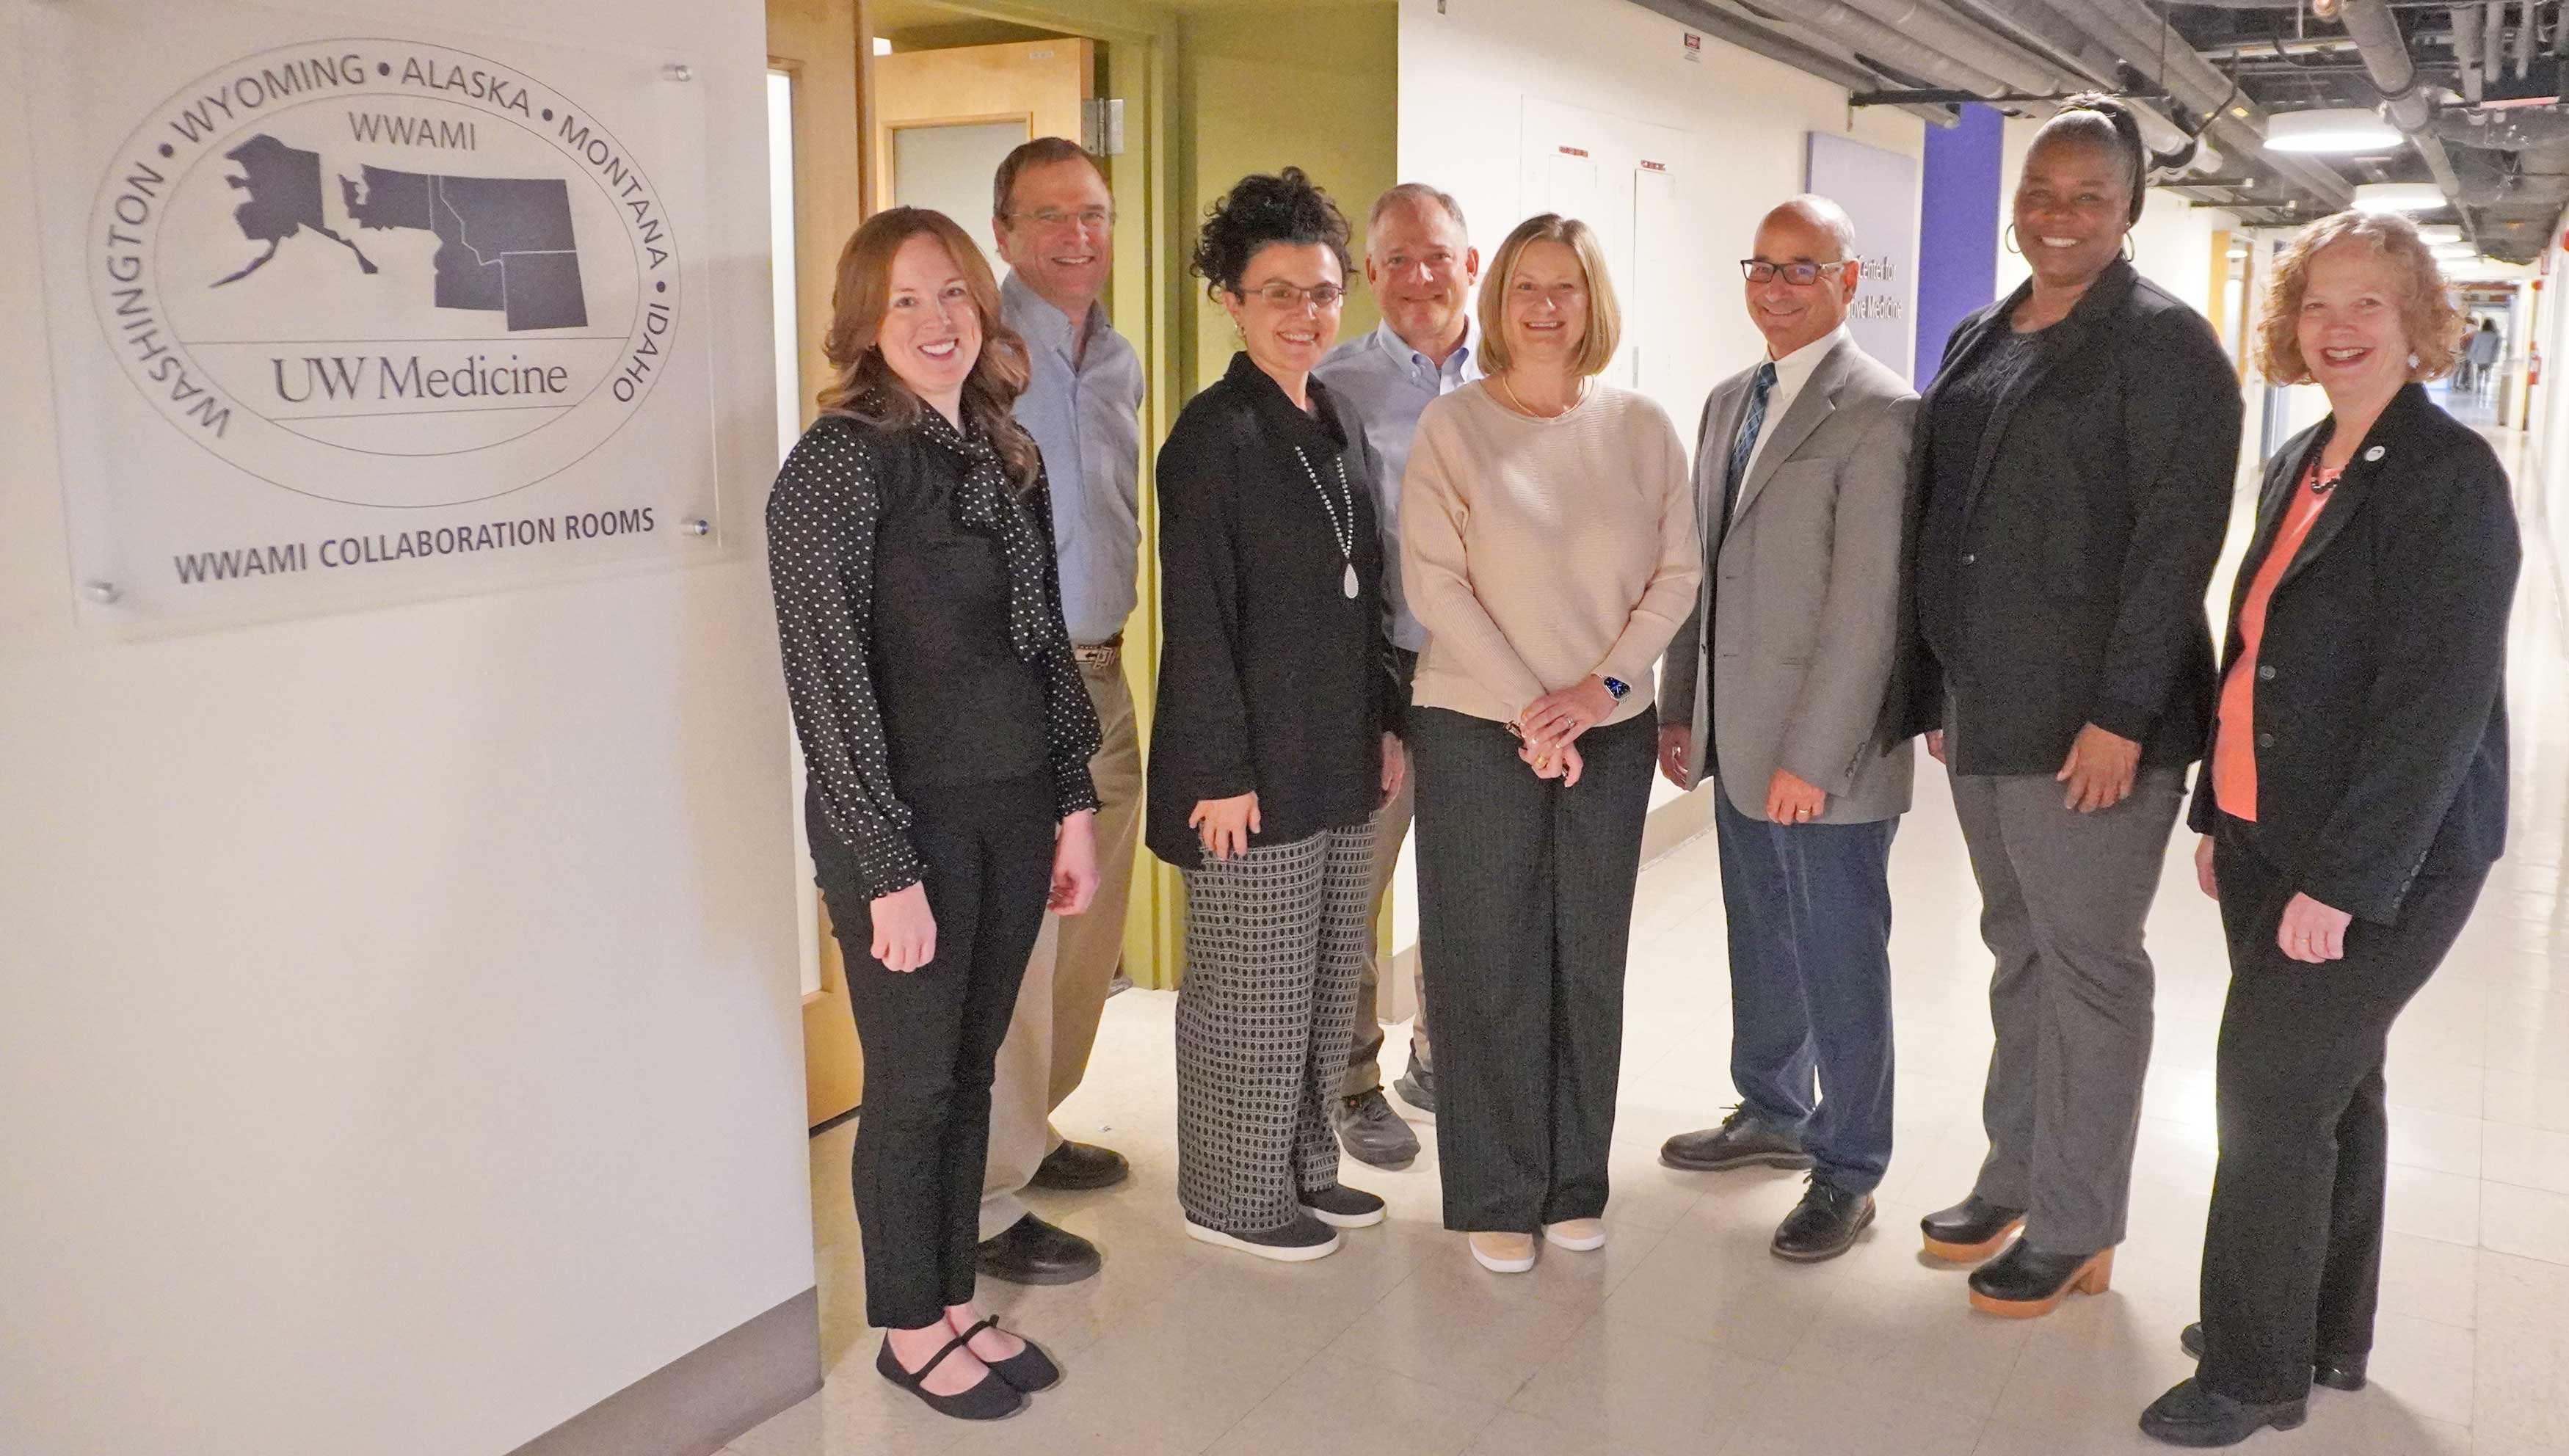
(944, 119)
(823, 49)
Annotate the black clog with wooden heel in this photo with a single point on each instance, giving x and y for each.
(2025, 1284)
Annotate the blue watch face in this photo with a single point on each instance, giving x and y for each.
(1616, 687)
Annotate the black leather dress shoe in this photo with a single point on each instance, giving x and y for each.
(1073, 1167)
(1034, 1252)
(2024, 1282)
(1742, 1140)
(1823, 1225)
(2335, 1374)
(2191, 1414)
(1969, 1231)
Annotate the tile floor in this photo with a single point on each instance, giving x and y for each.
(1684, 1336)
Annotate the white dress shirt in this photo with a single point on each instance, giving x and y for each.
(1791, 372)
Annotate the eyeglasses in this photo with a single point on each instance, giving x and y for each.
(1280, 294)
(1054, 219)
(1800, 275)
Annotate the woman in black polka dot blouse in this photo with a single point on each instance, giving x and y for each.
(946, 735)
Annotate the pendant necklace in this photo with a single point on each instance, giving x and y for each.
(1344, 532)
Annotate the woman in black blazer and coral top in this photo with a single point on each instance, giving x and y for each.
(2355, 799)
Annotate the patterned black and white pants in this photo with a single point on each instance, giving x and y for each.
(1276, 941)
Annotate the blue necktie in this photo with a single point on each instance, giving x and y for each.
(1746, 444)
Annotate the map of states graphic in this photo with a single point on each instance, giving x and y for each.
(505, 243)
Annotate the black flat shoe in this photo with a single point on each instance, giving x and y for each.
(2025, 1282)
(1032, 1252)
(2335, 1374)
(1028, 1370)
(2191, 1414)
(1342, 1207)
(1076, 1167)
(1969, 1231)
(993, 1400)
(1741, 1141)
(1823, 1225)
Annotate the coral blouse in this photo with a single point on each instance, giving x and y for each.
(2234, 744)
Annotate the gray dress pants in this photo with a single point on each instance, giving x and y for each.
(2063, 899)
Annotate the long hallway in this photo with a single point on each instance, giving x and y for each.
(1684, 1336)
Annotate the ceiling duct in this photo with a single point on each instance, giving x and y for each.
(2375, 32)
(2127, 35)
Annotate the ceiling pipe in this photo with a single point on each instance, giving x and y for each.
(2375, 32)
(1722, 25)
(2134, 37)
(2467, 52)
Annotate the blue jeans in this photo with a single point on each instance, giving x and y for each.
(1809, 910)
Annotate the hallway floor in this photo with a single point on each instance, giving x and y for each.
(1685, 1337)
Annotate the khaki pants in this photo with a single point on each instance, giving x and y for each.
(1365, 1053)
(1064, 993)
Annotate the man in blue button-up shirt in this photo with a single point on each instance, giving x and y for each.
(1055, 223)
(1420, 263)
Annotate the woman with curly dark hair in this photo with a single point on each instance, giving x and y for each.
(1268, 752)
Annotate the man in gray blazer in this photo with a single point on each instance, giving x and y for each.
(1775, 689)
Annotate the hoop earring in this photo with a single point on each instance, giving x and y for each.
(2008, 238)
(2130, 253)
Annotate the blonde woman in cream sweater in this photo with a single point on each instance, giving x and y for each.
(1548, 539)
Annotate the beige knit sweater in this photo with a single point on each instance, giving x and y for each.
(1538, 552)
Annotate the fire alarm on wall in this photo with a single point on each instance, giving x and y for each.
(1693, 46)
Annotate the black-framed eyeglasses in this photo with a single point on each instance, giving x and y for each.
(1280, 294)
(1800, 275)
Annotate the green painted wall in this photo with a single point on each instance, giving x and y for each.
(1264, 87)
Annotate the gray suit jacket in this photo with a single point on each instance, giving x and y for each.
(1803, 593)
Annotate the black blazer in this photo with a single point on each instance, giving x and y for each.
(2381, 702)
(1271, 678)
(2066, 584)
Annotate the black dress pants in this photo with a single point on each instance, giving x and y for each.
(931, 1036)
(2292, 1254)
(1525, 912)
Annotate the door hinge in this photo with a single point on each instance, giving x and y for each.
(1101, 126)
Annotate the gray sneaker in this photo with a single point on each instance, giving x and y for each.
(1374, 1134)
(1417, 1087)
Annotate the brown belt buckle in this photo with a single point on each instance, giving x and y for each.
(1103, 656)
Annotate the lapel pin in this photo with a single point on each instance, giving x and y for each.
(2374, 453)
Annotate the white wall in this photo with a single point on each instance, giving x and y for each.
(1465, 77)
(398, 1023)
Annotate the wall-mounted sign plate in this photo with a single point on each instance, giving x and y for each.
(339, 318)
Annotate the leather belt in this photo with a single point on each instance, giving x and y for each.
(1103, 656)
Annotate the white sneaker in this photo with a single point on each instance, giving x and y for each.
(1502, 1252)
(1580, 1235)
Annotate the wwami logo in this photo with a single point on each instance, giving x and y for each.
(385, 272)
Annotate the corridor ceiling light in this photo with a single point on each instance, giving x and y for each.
(2341, 128)
(882, 45)
(2398, 196)
(2440, 233)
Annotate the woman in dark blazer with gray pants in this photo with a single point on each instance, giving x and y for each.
(2353, 800)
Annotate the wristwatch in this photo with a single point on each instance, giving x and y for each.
(1616, 687)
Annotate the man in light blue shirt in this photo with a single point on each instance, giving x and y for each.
(1055, 223)
(1420, 263)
